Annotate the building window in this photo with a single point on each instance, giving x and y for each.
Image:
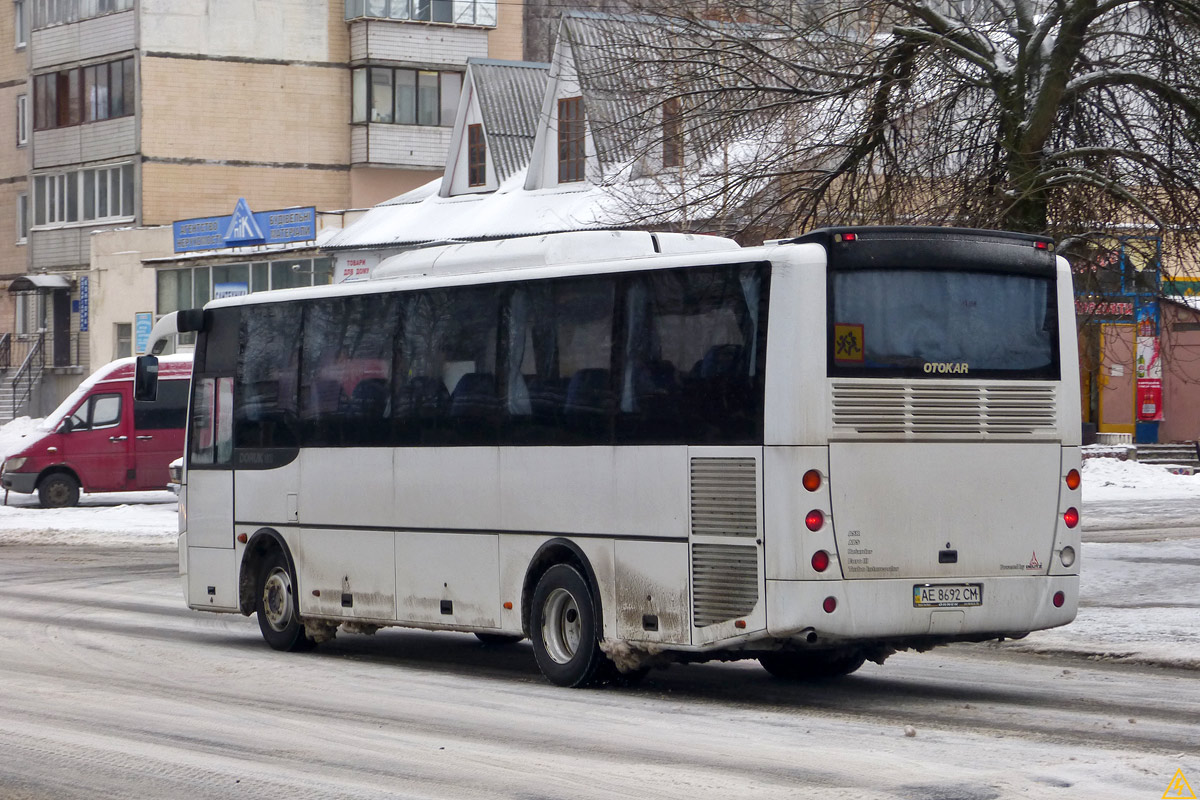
(124, 340)
(59, 12)
(476, 156)
(85, 195)
(22, 120)
(20, 22)
(22, 218)
(31, 313)
(192, 287)
(83, 94)
(672, 133)
(458, 12)
(405, 96)
(570, 140)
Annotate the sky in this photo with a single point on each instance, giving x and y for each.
(1138, 599)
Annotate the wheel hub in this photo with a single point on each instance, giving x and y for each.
(277, 599)
(562, 627)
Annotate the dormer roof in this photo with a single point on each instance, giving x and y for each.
(509, 94)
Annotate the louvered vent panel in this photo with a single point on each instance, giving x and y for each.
(913, 409)
(724, 497)
(724, 582)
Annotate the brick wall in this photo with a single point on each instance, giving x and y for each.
(180, 191)
(225, 110)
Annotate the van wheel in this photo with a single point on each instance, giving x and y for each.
(59, 490)
(563, 626)
(812, 666)
(277, 608)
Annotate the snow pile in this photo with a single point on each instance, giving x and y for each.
(1111, 479)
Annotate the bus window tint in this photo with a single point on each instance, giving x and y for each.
(692, 356)
(943, 324)
(346, 370)
(267, 377)
(559, 384)
(447, 392)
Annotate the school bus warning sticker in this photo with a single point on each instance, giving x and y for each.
(1179, 788)
(848, 342)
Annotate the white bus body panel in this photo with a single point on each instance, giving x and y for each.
(449, 578)
(897, 505)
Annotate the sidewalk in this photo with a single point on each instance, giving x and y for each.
(1139, 601)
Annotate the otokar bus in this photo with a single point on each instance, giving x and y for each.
(633, 448)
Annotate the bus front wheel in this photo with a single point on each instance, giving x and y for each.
(563, 628)
(812, 666)
(276, 606)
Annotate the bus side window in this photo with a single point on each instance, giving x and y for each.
(268, 378)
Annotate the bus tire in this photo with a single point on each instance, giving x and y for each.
(498, 639)
(563, 628)
(812, 666)
(58, 490)
(277, 606)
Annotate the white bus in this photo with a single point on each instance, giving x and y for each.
(634, 448)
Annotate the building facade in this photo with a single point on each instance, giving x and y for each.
(139, 113)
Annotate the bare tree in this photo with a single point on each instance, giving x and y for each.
(1075, 118)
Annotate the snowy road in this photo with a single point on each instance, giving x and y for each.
(109, 687)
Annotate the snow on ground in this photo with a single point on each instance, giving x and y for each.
(1138, 599)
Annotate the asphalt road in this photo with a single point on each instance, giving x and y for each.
(111, 687)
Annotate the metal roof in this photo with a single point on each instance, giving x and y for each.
(510, 99)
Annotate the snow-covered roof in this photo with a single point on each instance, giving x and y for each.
(510, 211)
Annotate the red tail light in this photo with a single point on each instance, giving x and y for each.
(820, 561)
(1073, 479)
(814, 520)
(1071, 517)
(1059, 599)
(829, 605)
(811, 480)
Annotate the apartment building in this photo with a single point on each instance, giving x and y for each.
(133, 114)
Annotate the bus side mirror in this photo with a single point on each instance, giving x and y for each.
(145, 378)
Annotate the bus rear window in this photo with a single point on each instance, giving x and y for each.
(942, 324)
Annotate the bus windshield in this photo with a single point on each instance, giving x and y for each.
(942, 324)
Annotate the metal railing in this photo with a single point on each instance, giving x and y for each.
(5, 351)
(29, 373)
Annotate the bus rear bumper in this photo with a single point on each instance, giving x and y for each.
(886, 609)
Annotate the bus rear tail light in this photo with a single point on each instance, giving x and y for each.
(814, 520)
(1073, 479)
(1071, 517)
(1067, 556)
(811, 480)
(830, 605)
(1059, 599)
(820, 561)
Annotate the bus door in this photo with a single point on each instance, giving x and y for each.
(211, 567)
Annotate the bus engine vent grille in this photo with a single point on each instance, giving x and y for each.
(724, 582)
(873, 407)
(724, 497)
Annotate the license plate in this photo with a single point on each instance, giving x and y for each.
(947, 595)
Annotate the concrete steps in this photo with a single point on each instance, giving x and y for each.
(1183, 454)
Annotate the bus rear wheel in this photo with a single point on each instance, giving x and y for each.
(813, 666)
(277, 608)
(563, 628)
(58, 490)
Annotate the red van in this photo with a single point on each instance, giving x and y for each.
(101, 440)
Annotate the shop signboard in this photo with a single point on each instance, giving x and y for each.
(245, 227)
